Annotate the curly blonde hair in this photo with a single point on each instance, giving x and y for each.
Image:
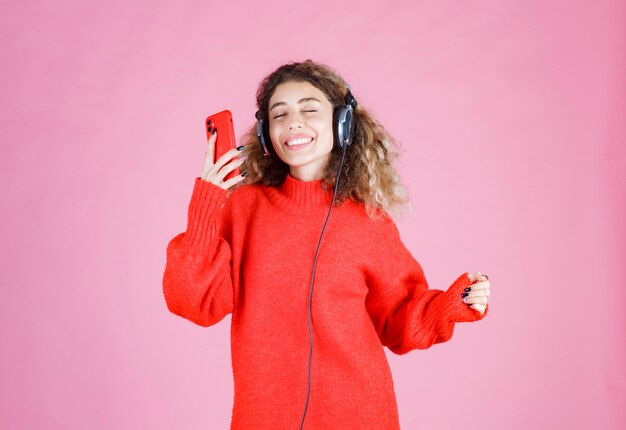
(368, 174)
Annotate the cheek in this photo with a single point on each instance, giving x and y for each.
(322, 126)
(327, 133)
(274, 133)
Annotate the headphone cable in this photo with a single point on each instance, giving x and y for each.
(343, 154)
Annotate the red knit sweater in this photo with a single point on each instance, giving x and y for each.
(251, 255)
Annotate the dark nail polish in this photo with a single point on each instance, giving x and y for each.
(244, 174)
(468, 289)
(239, 148)
(464, 294)
(214, 130)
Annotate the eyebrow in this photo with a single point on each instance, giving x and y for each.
(306, 99)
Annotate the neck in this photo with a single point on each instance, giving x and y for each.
(308, 172)
(305, 176)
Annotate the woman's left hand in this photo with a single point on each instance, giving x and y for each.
(478, 296)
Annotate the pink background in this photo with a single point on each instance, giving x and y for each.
(511, 117)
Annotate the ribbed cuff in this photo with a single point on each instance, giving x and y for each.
(206, 201)
(453, 307)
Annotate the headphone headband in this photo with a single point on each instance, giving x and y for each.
(349, 98)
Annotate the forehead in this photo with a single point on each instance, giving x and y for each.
(291, 92)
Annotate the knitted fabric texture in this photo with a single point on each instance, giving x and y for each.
(250, 254)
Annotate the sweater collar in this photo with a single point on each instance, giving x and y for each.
(296, 194)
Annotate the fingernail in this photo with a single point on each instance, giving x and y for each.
(214, 130)
(244, 174)
(468, 289)
(239, 148)
(464, 294)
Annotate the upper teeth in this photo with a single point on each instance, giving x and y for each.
(299, 141)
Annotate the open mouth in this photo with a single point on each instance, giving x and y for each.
(301, 141)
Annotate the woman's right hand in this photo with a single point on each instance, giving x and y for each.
(216, 172)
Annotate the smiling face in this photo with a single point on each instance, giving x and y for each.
(300, 118)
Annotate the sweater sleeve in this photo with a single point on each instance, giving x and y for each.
(197, 282)
(407, 314)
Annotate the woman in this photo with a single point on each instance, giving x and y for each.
(311, 311)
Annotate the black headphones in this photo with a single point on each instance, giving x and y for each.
(343, 126)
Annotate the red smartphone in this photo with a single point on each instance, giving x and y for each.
(223, 121)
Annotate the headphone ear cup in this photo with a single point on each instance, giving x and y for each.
(343, 126)
(349, 125)
(260, 136)
(268, 142)
(263, 136)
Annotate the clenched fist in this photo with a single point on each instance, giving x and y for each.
(477, 294)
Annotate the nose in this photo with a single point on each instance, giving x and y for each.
(295, 121)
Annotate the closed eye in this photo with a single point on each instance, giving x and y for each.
(278, 116)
